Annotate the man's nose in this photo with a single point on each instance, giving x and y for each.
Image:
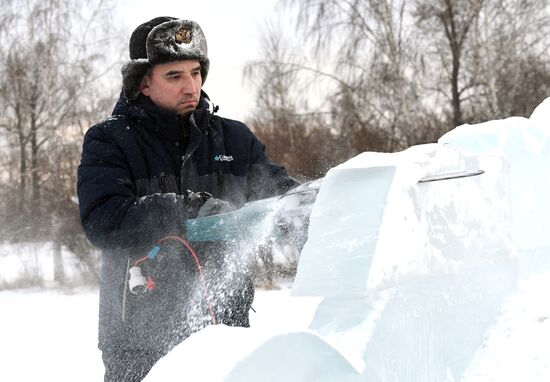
(188, 84)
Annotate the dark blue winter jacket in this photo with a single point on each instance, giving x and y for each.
(136, 167)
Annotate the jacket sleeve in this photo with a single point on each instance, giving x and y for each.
(111, 213)
(266, 179)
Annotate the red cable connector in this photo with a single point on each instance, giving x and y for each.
(206, 294)
(148, 282)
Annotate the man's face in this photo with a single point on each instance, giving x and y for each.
(174, 86)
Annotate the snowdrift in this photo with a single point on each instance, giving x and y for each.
(406, 277)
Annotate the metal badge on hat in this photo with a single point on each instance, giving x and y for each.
(184, 35)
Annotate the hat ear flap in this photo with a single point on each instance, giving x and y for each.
(132, 75)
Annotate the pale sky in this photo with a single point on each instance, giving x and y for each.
(233, 33)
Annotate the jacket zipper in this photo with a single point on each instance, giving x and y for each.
(162, 183)
(192, 145)
(220, 182)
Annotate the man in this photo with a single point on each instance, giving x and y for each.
(164, 157)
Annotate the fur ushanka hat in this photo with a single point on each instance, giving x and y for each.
(162, 40)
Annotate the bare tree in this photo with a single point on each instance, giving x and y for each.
(484, 50)
(453, 20)
(276, 77)
(48, 52)
(374, 67)
(509, 56)
(284, 119)
(52, 69)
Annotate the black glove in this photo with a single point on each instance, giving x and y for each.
(214, 206)
(195, 200)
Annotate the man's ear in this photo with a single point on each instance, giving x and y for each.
(144, 86)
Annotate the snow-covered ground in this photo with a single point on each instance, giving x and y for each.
(31, 263)
(517, 348)
(399, 280)
(49, 336)
(52, 336)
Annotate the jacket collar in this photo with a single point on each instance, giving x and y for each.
(143, 104)
(163, 122)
